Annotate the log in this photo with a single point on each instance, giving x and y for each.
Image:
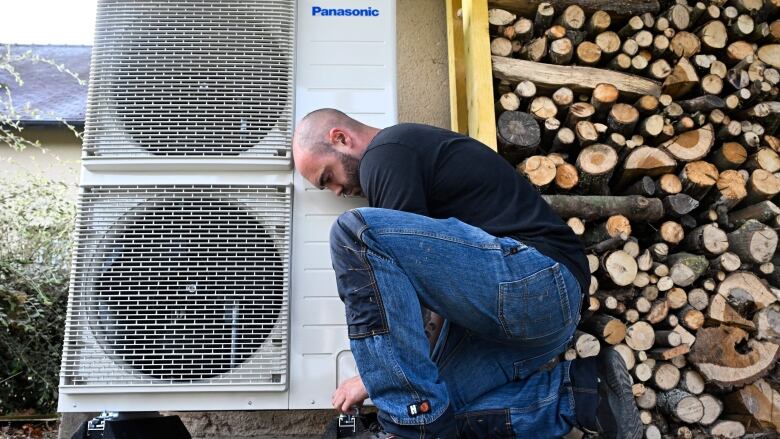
(544, 14)
(640, 336)
(690, 317)
(602, 99)
(692, 382)
(579, 112)
(698, 298)
(615, 226)
(535, 50)
(579, 79)
(770, 54)
(691, 145)
(681, 405)
(678, 205)
(713, 35)
(561, 51)
(501, 46)
(668, 184)
(753, 242)
(598, 22)
(566, 177)
(767, 323)
(633, 207)
(586, 133)
(608, 42)
(729, 156)
(713, 407)
(729, 191)
(623, 118)
(727, 429)
(759, 402)
(765, 159)
(698, 178)
(539, 170)
(644, 187)
(648, 399)
(616, 9)
(667, 338)
(518, 135)
(671, 232)
(739, 288)
(542, 108)
(762, 186)
(685, 44)
(645, 161)
(764, 211)
(500, 17)
(596, 164)
(588, 54)
(708, 239)
(682, 79)
(586, 345)
(686, 268)
(665, 376)
(607, 328)
(716, 357)
(620, 267)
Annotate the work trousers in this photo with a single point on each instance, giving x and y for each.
(509, 312)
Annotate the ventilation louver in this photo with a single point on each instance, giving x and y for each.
(200, 78)
(179, 285)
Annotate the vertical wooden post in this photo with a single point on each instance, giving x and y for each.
(457, 69)
(479, 75)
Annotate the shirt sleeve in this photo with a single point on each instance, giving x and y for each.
(391, 178)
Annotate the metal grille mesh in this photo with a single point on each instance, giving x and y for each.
(179, 285)
(191, 78)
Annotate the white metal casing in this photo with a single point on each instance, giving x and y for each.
(341, 62)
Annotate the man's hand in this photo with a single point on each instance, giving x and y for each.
(350, 392)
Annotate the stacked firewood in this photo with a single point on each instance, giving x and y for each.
(652, 129)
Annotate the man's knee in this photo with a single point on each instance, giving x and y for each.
(355, 277)
(345, 232)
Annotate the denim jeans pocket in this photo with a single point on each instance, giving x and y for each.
(534, 307)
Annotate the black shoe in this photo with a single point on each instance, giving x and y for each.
(617, 414)
(361, 426)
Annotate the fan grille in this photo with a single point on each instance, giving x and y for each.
(197, 78)
(177, 285)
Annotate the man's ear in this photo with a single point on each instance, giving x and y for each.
(338, 138)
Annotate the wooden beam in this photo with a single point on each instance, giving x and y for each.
(457, 68)
(479, 80)
(615, 8)
(581, 79)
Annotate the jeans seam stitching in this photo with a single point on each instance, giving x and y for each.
(389, 231)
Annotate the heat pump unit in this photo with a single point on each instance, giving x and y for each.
(201, 276)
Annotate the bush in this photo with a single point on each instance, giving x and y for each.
(36, 222)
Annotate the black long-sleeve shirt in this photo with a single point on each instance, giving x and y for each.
(441, 174)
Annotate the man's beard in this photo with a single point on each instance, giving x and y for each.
(352, 171)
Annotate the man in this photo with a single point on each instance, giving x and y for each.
(454, 228)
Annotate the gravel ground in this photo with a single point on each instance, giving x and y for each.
(46, 430)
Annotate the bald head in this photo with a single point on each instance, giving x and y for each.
(327, 147)
(311, 134)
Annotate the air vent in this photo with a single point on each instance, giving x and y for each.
(200, 78)
(179, 285)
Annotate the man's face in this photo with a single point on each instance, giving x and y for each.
(332, 170)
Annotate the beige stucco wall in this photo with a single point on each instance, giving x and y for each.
(423, 93)
(56, 159)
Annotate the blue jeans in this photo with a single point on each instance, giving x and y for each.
(508, 311)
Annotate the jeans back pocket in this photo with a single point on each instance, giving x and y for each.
(534, 307)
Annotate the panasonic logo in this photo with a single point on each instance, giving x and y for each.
(332, 12)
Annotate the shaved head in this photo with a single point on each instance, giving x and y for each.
(311, 133)
(327, 148)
